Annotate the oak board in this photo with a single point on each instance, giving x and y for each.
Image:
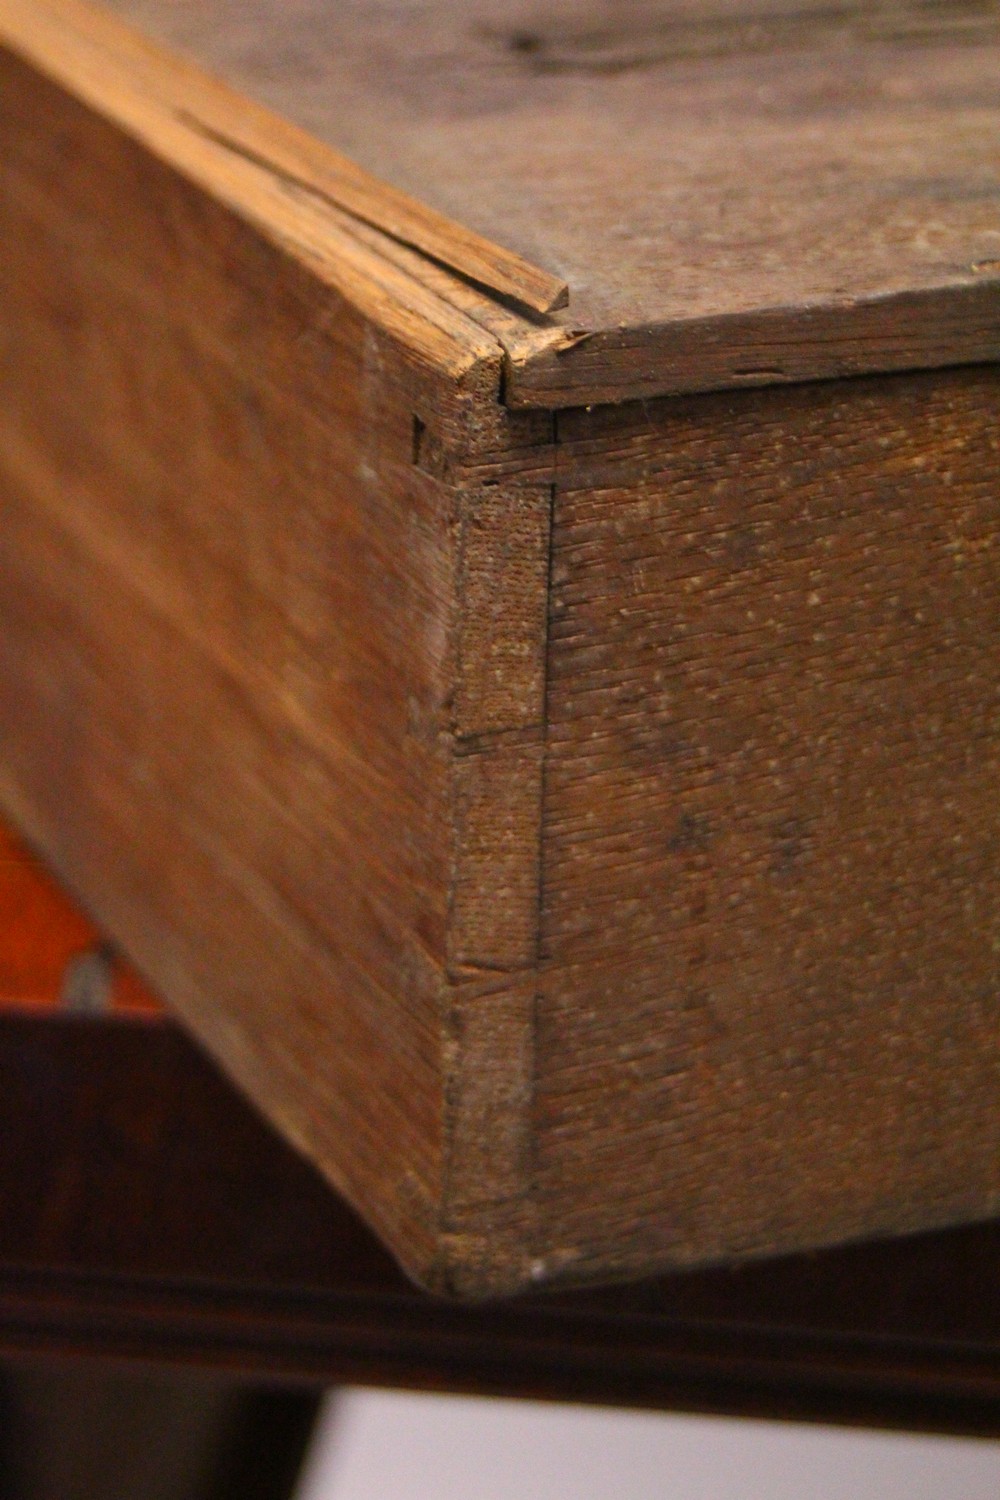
(570, 816)
(735, 191)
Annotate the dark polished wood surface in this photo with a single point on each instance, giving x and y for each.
(147, 1213)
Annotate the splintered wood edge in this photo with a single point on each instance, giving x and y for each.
(303, 190)
(130, 88)
(928, 328)
(499, 706)
(43, 30)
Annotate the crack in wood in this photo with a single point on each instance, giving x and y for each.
(491, 269)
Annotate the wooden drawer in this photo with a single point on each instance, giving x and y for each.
(548, 754)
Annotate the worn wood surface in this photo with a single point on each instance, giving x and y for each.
(736, 191)
(769, 924)
(247, 711)
(226, 599)
(149, 1215)
(77, 41)
(576, 829)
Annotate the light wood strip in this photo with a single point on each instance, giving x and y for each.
(89, 49)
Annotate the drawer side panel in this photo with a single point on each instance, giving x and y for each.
(227, 599)
(770, 1012)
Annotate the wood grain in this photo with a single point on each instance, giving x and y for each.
(769, 922)
(737, 191)
(82, 43)
(575, 829)
(204, 670)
